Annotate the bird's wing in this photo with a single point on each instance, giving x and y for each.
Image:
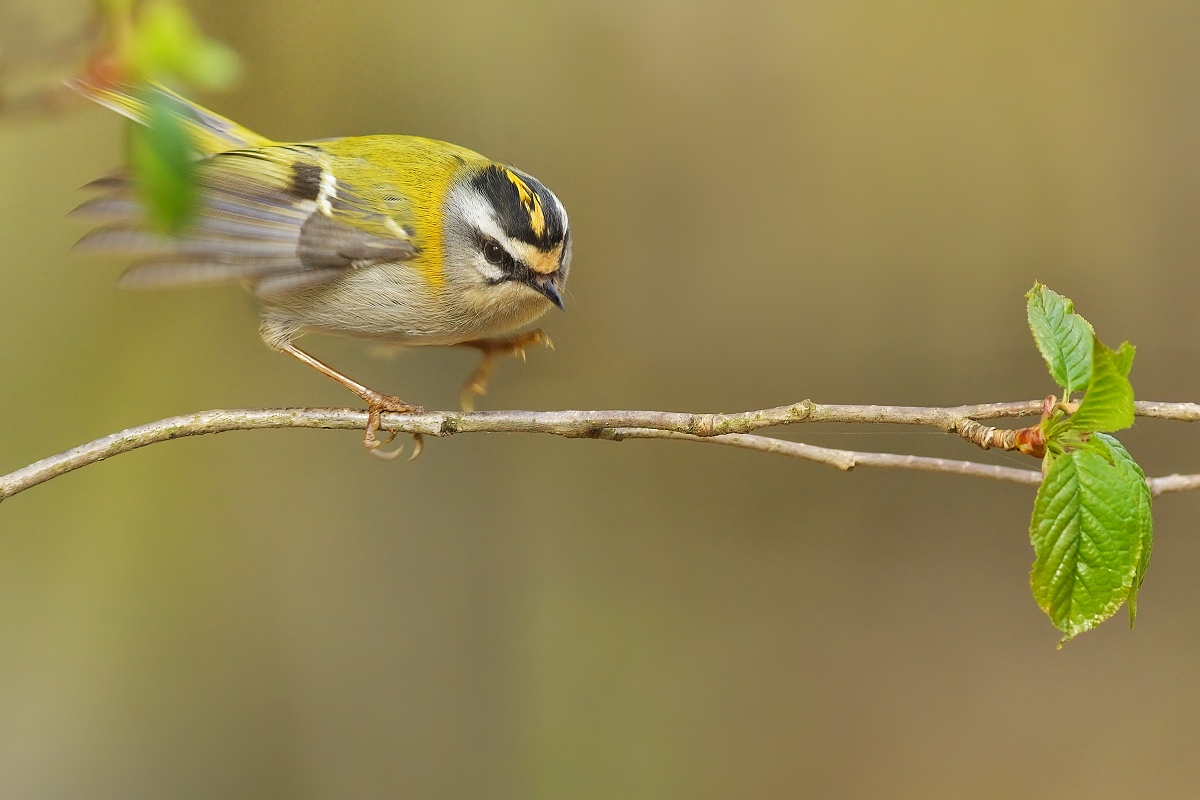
(275, 216)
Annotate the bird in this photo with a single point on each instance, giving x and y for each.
(390, 238)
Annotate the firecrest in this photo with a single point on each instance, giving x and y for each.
(391, 238)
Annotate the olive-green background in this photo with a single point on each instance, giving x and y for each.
(771, 201)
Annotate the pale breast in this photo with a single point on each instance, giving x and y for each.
(396, 303)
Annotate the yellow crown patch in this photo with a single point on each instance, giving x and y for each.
(531, 203)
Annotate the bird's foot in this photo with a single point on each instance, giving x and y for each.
(377, 404)
(491, 349)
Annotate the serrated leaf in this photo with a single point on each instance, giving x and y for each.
(160, 154)
(1063, 337)
(1137, 481)
(1108, 403)
(1123, 358)
(1091, 533)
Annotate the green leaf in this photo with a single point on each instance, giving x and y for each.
(1063, 337)
(1123, 358)
(1137, 481)
(160, 154)
(1108, 404)
(1091, 533)
(168, 44)
(1087, 441)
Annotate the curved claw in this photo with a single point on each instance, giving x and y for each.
(374, 422)
(387, 455)
(392, 455)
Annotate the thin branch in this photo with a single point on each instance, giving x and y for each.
(733, 430)
(1180, 412)
(1173, 483)
(842, 459)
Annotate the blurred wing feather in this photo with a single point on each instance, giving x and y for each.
(259, 220)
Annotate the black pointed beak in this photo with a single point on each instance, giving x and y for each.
(551, 288)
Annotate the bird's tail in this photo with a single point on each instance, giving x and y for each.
(211, 133)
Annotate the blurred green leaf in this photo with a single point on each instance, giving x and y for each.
(1108, 403)
(1063, 337)
(1091, 533)
(167, 44)
(162, 161)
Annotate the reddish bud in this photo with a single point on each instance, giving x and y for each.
(1048, 406)
(1032, 441)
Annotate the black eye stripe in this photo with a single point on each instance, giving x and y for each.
(513, 270)
(496, 255)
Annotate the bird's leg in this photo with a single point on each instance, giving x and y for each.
(491, 349)
(376, 403)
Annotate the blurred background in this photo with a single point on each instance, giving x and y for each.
(771, 201)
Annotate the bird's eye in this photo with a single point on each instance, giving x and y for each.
(494, 253)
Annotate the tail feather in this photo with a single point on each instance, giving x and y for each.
(183, 271)
(109, 208)
(211, 133)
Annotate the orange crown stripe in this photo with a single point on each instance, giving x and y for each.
(531, 203)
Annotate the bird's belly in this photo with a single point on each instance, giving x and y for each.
(398, 304)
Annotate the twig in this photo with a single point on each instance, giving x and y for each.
(842, 459)
(1173, 483)
(733, 430)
